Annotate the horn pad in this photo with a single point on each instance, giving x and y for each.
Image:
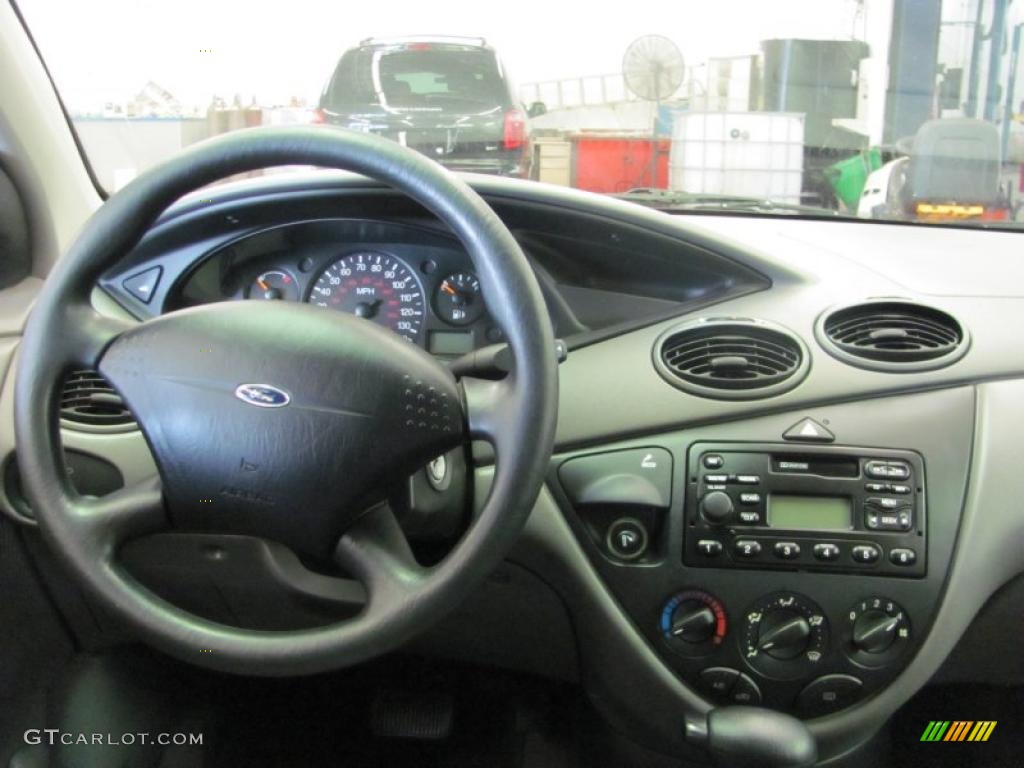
(281, 420)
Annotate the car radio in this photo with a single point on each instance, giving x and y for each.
(833, 509)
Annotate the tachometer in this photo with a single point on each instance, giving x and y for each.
(375, 286)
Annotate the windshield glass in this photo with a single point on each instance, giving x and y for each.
(878, 109)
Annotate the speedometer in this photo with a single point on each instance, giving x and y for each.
(375, 286)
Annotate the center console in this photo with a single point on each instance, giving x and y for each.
(796, 576)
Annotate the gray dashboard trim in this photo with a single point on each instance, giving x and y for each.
(612, 391)
(549, 549)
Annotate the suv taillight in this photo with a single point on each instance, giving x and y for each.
(319, 117)
(515, 129)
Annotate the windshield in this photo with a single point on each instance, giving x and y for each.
(826, 108)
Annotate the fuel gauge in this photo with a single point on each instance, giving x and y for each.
(458, 300)
(274, 284)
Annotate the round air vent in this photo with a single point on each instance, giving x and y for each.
(887, 335)
(88, 399)
(731, 358)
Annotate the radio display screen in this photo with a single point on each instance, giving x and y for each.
(819, 513)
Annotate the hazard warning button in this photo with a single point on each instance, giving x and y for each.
(809, 431)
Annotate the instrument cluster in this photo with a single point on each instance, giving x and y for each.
(431, 298)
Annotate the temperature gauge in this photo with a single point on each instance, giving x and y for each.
(274, 285)
(458, 300)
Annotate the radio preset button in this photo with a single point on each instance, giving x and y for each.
(826, 552)
(865, 553)
(709, 547)
(713, 461)
(748, 479)
(746, 548)
(787, 550)
(902, 556)
(750, 498)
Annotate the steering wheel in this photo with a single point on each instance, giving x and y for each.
(283, 420)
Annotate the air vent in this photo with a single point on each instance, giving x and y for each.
(88, 399)
(893, 336)
(731, 358)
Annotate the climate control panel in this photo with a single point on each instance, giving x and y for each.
(786, 648)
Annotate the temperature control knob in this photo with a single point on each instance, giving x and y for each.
(785, 636)
(694, 623)
(877, 630)
(716, 507)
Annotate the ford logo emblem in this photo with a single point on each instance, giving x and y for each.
(262, 395)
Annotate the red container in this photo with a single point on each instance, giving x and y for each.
(618, 163)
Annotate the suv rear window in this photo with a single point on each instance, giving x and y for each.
(413, 77)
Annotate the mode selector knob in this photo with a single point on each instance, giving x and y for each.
(693, 621)
(874, 631)
(716, 507)
(784, 634)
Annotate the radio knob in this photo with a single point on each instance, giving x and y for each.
(693, 621)
(716, 507)
(784, 634)
(874, 631)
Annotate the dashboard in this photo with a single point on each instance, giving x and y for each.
(387, 260)
(749, 503)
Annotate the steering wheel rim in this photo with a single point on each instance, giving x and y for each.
(517, 415)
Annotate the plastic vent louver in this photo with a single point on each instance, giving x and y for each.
(87, 398)
(893, 335)
(731, 359)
